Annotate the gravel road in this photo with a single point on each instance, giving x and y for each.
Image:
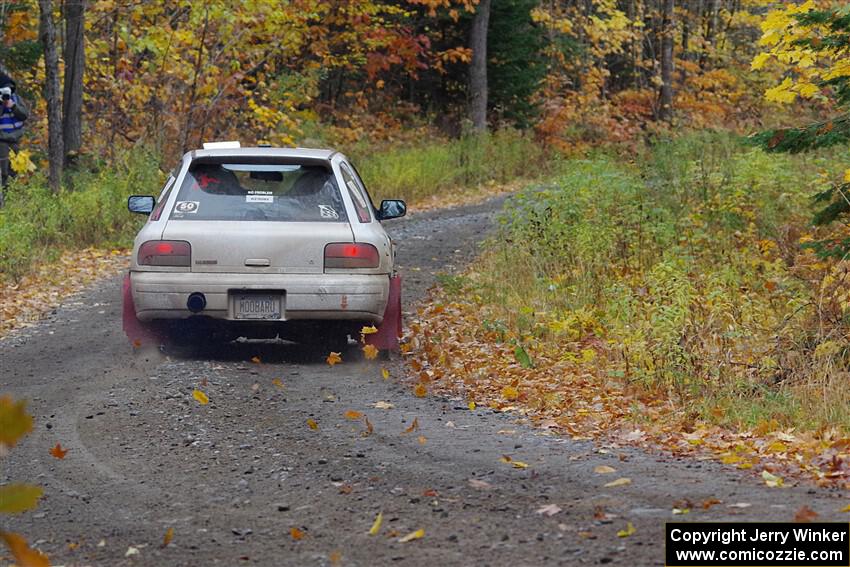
(233, 478)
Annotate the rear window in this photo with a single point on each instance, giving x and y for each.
(259, 192)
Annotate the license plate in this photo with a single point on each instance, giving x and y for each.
(257, 306)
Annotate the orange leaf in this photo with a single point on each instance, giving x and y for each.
(296, 534)
(369, 428)
(255, 359)
(351, 414)
(334, 358)
(420, 390)
(422, 439)
(805, 514)
(370, 352)
(58, 451)
(23, 554)
(413, 426)
(169, 535)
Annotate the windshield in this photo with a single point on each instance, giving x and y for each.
(259, 192)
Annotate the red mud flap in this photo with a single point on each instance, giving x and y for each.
(138, 333)
(390, 330)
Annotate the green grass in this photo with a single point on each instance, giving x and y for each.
(687, 263)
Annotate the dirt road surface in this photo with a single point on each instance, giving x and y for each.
(233, 478)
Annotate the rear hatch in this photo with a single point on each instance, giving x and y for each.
(258, 217)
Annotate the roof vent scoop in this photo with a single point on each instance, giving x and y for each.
(222, 145)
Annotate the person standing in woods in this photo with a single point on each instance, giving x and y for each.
(13, 115)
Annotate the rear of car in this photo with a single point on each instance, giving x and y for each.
(261, 240)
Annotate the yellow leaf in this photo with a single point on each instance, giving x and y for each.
(772, 480)
(619, 482)
(15, 498)
(201, 397)
(847, 176)
(334, 358)
(418, 534)
(420, 391)
(376, 525)
(510, 393)
(169, 535)
(351, 414)
(630, 529)
(777, 447)
(471, 406)
(519, 465)
(759, 61)
(385, 373)
(15, 422)
(370, 352)
(681, 511)
(370, 330)
(604, 469)
(846, 508)
(23, 554)
(21, 162)
(311, 423)
(277, 382)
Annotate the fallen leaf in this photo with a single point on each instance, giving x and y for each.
(169, 535)
(131, 551)
(772, 480)
(586, 535)
(200, 397)
(630, 529)
(471, 406)
(353, 415)
(255, 359)
(58, 451)
(708, 503)
(137, 344)
(418, 534)
(422, 440)
(277, 382)
(16, 498)
(376, 525)
(413, 426)
(619, 482)
(370, 352)
(370, 330)
(604, 469)
(548, 509)
(846, 508)
(346, 489)
(296, 534)
(805, 515)
(311, 423)
(513, 463)
(334, 358)
(510, 393)
(480, 484)
(420, 391)
(739, 505)
(385, 373)
(681, 511)
(430, 493)
(383, 405)
(335, 558)
(15, 422)
(73, 545)
(369, 428)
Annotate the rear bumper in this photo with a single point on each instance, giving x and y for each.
(343, 297)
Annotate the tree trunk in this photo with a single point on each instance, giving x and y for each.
(72, 96)
(478, 68)
(665, 108)
(47, 34)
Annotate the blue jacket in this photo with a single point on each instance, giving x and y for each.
(12, 121)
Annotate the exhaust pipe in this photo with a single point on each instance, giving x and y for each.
(196, 302)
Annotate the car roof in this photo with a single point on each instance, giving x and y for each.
(297, 154)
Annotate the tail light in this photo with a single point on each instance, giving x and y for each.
(165, 253)
(351, 255)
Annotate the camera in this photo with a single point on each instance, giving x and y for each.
(5, 93)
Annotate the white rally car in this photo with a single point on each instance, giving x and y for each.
(261, 242)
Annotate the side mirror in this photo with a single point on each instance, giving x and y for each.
(141, 204)
(392, 209)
